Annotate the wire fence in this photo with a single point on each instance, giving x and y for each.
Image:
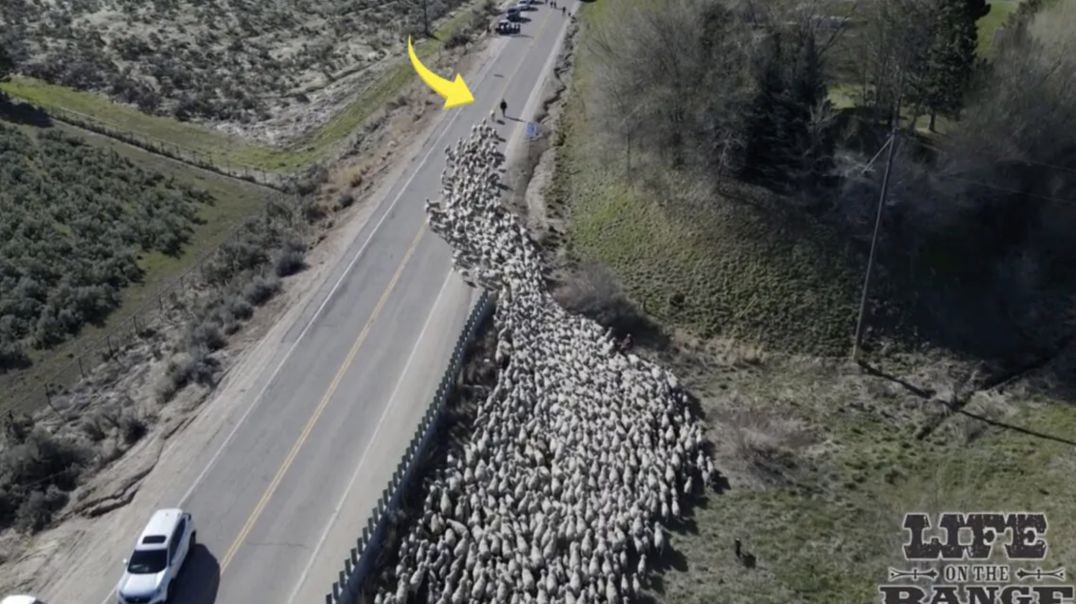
(361, 561)
(84, 355)
(281, 181)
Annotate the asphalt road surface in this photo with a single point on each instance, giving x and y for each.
(282, 495)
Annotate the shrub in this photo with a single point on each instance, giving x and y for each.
(186, 367)
(346, 199)
(314, 178)
(240, 308)
(92, 428)
(593, 292)
(261, 289)
(207, 335)
(36, 510)
(289, 259)
(43, 459)
(313, 211)
(9, 504)
(133, 428)
(458, 38)
(12, 356)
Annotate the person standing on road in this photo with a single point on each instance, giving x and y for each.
(504, 108)
(562, 11)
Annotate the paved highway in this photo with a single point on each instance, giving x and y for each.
(281, 494)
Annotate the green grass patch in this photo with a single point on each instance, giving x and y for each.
(749, 269)
(204, 143)
(845, 95)
(989, 25)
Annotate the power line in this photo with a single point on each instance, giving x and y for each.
(1008, 190)
(927, 145)
(892, 144)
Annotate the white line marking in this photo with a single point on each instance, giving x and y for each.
(532, 99)
(324, 303)
(209, 465)
(216, 455)
(373, 438)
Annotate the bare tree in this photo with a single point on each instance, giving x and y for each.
(893, 51)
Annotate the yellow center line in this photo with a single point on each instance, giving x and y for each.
(294, 452)
(321, 406)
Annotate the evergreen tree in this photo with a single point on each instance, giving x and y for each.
(786, 141)
(978, 9)
(950, 60)
(7, 64)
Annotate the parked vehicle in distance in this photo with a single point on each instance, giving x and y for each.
(523, 5)
(506, 27)
(514, 14)
(150, 574)
(20, 600)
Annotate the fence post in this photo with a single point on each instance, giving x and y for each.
(81, 371)
(108, 340)
(48, 399)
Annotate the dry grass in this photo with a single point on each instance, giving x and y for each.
(821, 460)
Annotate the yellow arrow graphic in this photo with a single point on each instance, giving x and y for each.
(456, 92)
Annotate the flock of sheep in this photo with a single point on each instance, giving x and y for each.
(579, 453)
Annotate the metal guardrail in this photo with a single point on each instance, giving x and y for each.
(362, 559)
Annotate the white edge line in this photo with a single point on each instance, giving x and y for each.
(362, 458)
(239, 423)
(325, 302)
(539, 84)
(313, 319)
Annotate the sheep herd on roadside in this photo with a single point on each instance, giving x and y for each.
(578, 456)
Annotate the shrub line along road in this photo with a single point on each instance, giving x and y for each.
(282, 492)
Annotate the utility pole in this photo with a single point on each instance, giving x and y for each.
(874, 242)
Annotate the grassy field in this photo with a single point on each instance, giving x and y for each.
(234, 201)
(988, 25)
(737, 265)
(823, 463)
(822, 459)
(845, 94)
(231, 151)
